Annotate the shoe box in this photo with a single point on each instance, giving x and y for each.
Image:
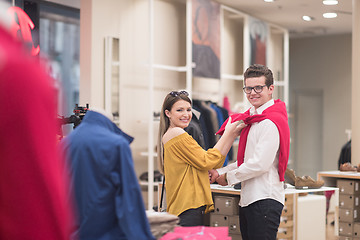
(235, 236)
(285, 234)
(349, 230)
(288, 210)
(233, 222)
(349, 201)
(346, 229)
(348, 215)
(285, 230)
(226, 205)
(349, 208)
(347, 238)
(351, 187)
(227, 214)
(356, 230)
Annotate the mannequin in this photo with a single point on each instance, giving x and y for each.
(103, 112)
(104, 183)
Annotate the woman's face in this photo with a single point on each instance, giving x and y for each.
(180, 114)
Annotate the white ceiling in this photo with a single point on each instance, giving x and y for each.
(288, 14)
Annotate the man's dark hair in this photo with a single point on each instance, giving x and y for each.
(258, 70)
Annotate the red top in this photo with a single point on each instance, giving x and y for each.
(278, 115)
(33, 195)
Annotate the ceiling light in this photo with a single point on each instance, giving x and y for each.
(330, 2)
(307, 18)
(329, 15)
(269, 0)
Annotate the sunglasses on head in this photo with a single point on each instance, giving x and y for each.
(178, 93)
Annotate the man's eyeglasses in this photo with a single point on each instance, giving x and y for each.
(178, 93)
(257, 89)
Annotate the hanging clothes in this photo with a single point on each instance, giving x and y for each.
(194, 130)
(222, 115)
(345, 154)
(205, 123)
(211, 118)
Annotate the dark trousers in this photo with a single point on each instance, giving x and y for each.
(260, 220)
(192, 217)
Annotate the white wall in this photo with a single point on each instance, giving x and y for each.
(324, 64)
(128, 20)
(320, 63)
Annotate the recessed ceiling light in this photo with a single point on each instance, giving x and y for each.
(329, 15)
(330, 2)
(269, 0)
(307, 18)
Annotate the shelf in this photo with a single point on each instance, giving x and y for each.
(145, 183)
(232, 77)
(339, 174)
(145, 154)
(289, 190)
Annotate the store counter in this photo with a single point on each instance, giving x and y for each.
(348, 194)
(330, 177)
(300, 210)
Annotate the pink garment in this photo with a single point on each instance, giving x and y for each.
(226, 104)
(33, 189)
(198, 233)
(278, 115)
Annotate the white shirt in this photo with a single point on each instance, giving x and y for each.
(258, 174)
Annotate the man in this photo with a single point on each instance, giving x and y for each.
(107, 193)
(262, 157)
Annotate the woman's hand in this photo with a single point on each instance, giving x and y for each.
(235, 127)
(232, 130)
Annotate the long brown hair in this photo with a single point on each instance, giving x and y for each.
(170, 99)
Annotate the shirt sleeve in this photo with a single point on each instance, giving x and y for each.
(185, 148)
(130, 208)
(227, 168)
(263, 156)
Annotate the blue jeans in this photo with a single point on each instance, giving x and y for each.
(260, 220)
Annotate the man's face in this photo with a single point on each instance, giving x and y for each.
(258, 99)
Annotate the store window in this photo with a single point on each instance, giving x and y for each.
(59, 34)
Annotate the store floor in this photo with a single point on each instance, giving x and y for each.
(330, 229)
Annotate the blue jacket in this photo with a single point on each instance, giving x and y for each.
(108, 197)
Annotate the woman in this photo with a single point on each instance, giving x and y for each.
(185, 164)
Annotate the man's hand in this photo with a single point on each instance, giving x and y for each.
(213, 174)
(221, 180)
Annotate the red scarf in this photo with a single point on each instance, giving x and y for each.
(278, 115)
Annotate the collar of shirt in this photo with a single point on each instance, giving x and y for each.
(254, 111)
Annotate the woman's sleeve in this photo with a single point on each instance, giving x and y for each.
(188, 150)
